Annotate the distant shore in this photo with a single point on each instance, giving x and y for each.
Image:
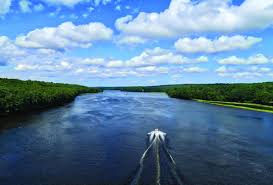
(246, 106)
(250, 96)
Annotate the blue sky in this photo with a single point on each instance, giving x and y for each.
(137, 42)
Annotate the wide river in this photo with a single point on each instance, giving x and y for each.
(99, 139)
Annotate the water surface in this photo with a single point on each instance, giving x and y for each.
(99, 138)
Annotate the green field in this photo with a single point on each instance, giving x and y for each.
(247, 106)
(23, 96)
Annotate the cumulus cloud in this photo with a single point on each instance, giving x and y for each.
(152, 69)
(237, 72)
(195, 69)
(93, 61)
(150, 58)
(223, 43)
(72, 3)
(149, 62)
(130, 40)
(47, 62)
(69, 3)
(255, 59)
(115, 64)
(187, 17)
(44, 62)
(46, 66)
(67, 35)
(158, 56)
(23, 67)
(4, 6)
(14, 54)
(8, 49)
(202, 59)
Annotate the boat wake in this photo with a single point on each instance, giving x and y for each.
(157, 166)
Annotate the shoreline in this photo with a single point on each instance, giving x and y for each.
(237, 105)
(245, 106)
(19, 96)
(42, 107)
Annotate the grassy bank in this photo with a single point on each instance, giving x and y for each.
(247, 106)
(23, 96)
(251, 96)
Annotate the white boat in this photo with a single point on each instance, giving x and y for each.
(156, 134)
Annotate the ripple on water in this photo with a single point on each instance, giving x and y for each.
(99, 139)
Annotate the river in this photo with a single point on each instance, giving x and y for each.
(99, 139)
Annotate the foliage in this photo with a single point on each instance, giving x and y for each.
(19, 96)
(259, 93)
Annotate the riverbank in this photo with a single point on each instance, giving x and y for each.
(23, 96)
(247, 106)
(251, 96)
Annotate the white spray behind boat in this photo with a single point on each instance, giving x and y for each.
(156, 134)
(156, 140)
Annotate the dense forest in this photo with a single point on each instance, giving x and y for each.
(259, 93)
(21, 96)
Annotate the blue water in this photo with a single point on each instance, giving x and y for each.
(99, 139)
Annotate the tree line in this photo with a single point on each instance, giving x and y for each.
(260, 93)
(21, 96)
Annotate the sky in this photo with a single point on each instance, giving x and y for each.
(137, 42)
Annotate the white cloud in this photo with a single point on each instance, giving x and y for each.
(14, 54)
(130, 40)
(103, 2)
(256, 59)
(72, 3)
(202, 59)
(187, 17)
(115, 64)
(149, 57)
(249, 72)
(93, 61)
(25, 6)
(223, 43)
(50, 62)
(152, 69)
(8, 49)
(49, 67)
(68, 3)
(43, 62)
(260, 69)
(4, 6)
(149, 62)
(24, 67)
(194, 70)
(66, 35)
(159, 56)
